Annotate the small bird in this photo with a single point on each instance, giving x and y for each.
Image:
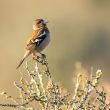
(38, 41)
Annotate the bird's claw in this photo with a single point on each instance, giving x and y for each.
(40, 59)
(43, 56)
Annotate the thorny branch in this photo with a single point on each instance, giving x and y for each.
(50, 95)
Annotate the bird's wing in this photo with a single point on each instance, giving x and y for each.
(40, 38)
(37, 39)
(37, 36)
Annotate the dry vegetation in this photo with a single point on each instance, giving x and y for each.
(38, 86)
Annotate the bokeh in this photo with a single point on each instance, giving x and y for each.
(80, 31)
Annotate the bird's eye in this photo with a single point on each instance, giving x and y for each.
(39, 22)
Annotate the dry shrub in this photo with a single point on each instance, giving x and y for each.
(52, 96)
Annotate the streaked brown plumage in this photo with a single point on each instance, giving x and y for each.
(38, 41)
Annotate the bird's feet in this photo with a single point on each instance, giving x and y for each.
(41, 58)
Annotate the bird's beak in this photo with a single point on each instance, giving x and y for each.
(45, 21)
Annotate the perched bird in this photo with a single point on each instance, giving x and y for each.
(38, 41)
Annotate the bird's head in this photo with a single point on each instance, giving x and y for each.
(39, 23)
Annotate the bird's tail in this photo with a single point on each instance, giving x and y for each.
(20, 63)
(27, 53)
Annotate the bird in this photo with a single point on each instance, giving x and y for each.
(38, 41)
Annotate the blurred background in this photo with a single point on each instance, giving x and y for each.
(80, 31)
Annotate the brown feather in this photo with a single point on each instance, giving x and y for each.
(27, 53)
